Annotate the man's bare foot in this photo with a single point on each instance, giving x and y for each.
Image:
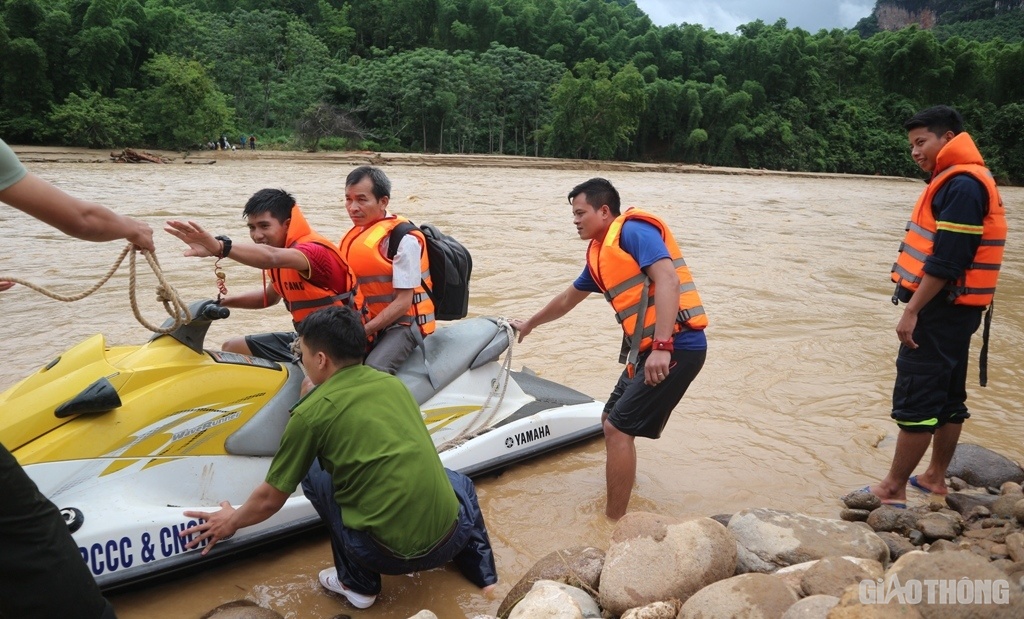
(928, 486)
(895, 499)
(489, 590)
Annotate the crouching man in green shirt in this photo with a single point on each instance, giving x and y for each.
(358, 445)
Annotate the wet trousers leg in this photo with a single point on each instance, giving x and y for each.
(319, 489)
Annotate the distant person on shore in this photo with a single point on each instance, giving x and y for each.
(634, 261)
(399, 313)
(252, 142)
(358, 446)
(305, 269)
(946, 275)
(42, 574)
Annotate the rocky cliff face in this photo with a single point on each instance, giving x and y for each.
(896, 14)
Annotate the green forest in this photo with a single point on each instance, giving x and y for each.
(591, 79)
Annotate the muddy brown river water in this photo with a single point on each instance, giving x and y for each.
(790, 411)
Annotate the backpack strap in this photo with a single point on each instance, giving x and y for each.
(395, 238)
(397, 233)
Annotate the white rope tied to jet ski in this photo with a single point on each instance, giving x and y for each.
(478, 425)
(165, 292)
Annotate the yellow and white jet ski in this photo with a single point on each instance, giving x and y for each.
(124, 439)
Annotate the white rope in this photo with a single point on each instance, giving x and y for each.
(478, 425)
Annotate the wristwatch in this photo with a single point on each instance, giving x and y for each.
(227, 245)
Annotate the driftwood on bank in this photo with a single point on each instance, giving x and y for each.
(130, 155)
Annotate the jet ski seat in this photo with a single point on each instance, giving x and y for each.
(261, 435)
(448, 352)
(444, 355)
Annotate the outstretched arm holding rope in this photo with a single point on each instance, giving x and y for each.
(91, 222)
(73, 216)
(78, 218)
(32, 524)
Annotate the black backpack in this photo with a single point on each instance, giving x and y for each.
(450, 269)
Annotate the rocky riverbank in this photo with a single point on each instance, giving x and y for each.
(953, 556)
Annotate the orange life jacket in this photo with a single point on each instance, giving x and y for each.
(977, 286)
(361, 250)
(631, 291)
(300, 296)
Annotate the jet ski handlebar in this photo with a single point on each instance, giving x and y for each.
(193, 334)
(215, 312)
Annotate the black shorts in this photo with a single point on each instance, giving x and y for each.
(931, 380)
(638, 409)
(275, 346)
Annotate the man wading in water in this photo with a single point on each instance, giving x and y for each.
(634, 260)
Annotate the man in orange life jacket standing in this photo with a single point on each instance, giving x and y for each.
(634, 260)
(946, 274)
(398, 311)
(306, 269)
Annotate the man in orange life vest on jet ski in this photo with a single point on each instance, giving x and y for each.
(398, 311)
(634, 260)
(306, 269)
(946, 275)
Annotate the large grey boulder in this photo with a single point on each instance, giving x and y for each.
(588, 606)
(750, 596)
(579, 566)
(655, 558)
(793, 575)
(812, 607)
(831, 576)
(915, 570)
(851, 607)
(966, 502)
(983, 467)
(546, 602)
(768, 539)
(657, 610)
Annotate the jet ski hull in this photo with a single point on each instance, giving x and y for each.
(124, 440)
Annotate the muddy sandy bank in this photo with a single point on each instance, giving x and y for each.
(63, 154)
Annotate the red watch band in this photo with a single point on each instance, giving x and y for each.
(668, 345)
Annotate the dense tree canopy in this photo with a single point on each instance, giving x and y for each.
(564, 78)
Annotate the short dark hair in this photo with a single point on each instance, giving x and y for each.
(336, 331)
(381, 183)
(938, 120)
(277, 202)
(597, 192)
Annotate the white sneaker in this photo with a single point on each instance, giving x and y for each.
(329, 580)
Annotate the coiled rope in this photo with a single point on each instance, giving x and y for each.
(480, 423)
(165, 292)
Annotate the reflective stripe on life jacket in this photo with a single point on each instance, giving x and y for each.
(631, 292)
(301, 296)
(977, 285)
(361, 249)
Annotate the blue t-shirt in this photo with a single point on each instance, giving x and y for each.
(643, 242)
